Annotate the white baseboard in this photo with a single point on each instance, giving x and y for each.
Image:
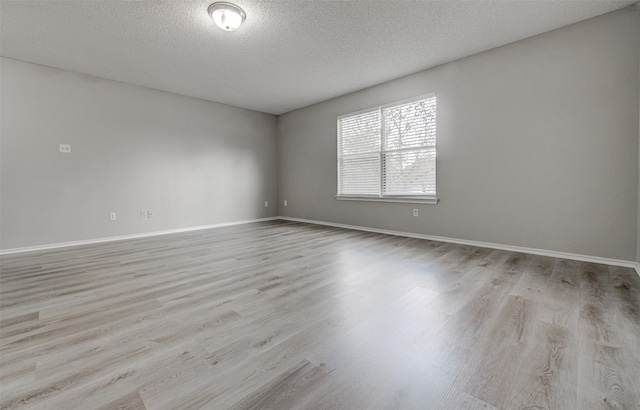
(124, 237)
(542, 252)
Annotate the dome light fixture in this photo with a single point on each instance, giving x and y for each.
(227, 16)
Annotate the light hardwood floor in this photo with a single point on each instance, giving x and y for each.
(282, 315)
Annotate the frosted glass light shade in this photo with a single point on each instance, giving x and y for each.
(227, 16)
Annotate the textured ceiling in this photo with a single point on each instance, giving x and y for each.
(287, 55)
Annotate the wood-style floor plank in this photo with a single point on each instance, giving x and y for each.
(284, 315)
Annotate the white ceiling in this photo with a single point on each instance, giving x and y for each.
(287, 55)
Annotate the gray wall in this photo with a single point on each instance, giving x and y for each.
(537, 145)
(190, 162)
(638, 241)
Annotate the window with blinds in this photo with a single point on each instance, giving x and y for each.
(389, 151)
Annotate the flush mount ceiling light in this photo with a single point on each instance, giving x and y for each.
(227, 16)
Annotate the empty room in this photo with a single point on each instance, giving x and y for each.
(320, 204)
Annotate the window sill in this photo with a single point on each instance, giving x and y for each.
(401, 199)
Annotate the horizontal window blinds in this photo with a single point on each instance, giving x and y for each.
(409, 152)
(410, 125)
(360, 176)
(359, 154)
(360, 133)
(410, 172)
(389, 151)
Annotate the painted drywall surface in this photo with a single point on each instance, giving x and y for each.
(637, 8)
(537, 145)
(189, 161)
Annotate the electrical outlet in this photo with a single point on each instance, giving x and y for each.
(285, 202)
(415, 211)
(143, 214)
(266, 204)
(65, 148)
(112, 216)
(149, 214)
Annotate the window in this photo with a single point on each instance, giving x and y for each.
(389, 152)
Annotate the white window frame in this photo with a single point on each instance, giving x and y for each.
(422, 199)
